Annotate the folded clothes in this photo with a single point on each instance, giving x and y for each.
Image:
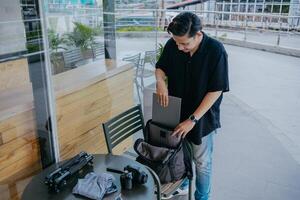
(95, 186)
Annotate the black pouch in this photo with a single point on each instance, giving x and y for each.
(161, 136)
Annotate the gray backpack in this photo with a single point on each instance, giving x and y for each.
(167, 155)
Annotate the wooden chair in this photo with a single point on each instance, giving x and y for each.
(125, 125)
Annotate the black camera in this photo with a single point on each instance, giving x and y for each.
(139, 176)
(126, 180)
(131, 176)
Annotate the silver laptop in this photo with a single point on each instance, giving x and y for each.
(170, 115)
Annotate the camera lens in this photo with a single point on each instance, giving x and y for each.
(126, 180)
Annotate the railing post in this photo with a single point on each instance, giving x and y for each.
(246, 29)
(216, 24)
(278, 36)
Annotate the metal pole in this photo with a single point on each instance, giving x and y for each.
(216, 30)
(156, 26)
(246, 29)
(278, 36)
(109, 29)
(53, 138)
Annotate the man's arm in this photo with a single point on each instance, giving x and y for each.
(184, 127)
(161, 87)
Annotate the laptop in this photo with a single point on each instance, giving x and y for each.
(168, 116)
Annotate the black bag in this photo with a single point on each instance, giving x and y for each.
(167, 163)
(167, 155)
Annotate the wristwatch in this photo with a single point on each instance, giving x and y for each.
(193, 119)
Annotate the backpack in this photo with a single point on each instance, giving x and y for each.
(167, 155)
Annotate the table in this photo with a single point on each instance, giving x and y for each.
(36, 189)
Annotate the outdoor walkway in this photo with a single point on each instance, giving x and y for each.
(249, 162)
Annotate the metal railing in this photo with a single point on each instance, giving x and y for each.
(263, 28)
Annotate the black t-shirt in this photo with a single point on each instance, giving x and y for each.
(191, 78)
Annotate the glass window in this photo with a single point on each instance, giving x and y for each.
(251, 8)
(242, 8)
(268, 8)
(276, 9)
(235, 8)
(25, 129)
(92, 82)
(259, 8)
(285, 8)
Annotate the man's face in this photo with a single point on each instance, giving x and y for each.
(186, 43)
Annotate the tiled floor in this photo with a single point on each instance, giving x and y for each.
(249, 162)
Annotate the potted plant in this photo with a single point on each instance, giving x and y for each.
(56, 43)
(83, 37)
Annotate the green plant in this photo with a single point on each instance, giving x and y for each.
(159, 50)
(55, 41)
(31, 48)
(137, 29)
(97, 30)
(82, 36)
(32, 35)
(158, 54)
(223, 36)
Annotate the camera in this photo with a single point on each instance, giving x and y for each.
(139, 176)
(131, 176)
(126, 180)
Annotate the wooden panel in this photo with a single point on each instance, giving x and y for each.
(14, 74)
(85, 113)
(14, 188)
(22, 162)
(19, 148)
(17, 120)
(19, 154)
(19, 145)
(81, 114)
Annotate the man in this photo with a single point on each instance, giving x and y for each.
(194, 67)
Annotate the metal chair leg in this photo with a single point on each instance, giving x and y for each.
(157, 182)
(138, 91)
(190, 189)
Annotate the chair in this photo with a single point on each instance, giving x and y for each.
(149, 58)
(71, 57)
(136, 60)
(98, 50)
(125, 125)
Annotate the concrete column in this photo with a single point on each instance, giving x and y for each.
(109, 29)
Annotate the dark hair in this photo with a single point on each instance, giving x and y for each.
(185, 23)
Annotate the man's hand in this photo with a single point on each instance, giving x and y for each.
(183, 128)
(162, 93)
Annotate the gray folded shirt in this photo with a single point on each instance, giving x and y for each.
(95, 186)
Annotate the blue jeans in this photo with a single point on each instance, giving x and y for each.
(203, 163)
